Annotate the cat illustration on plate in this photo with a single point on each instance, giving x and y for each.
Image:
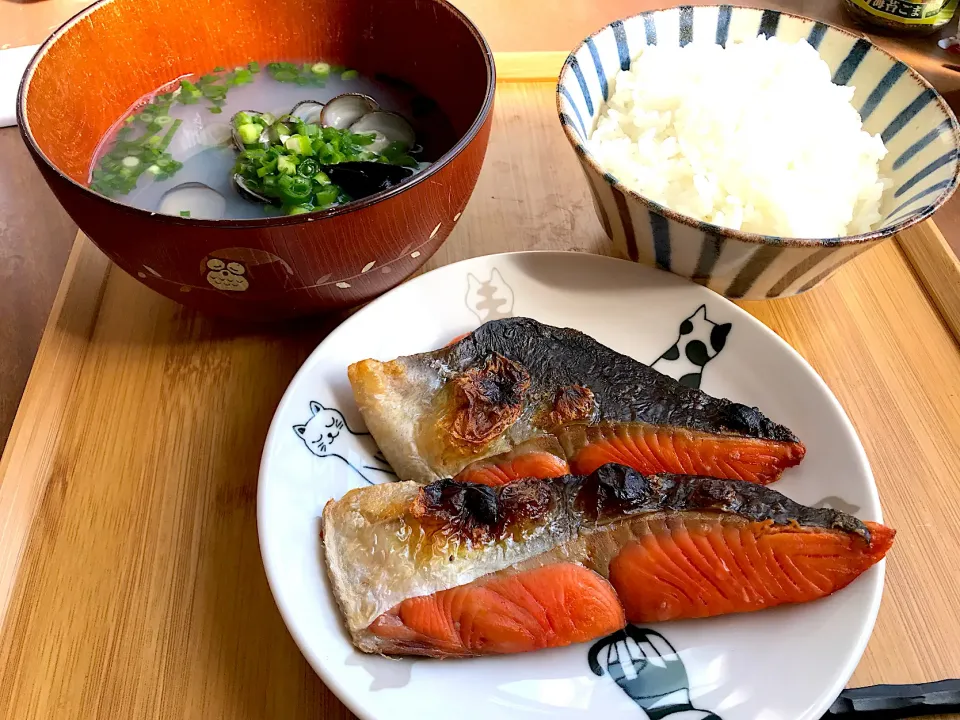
(698, 342)
(327, 435)
(490, 299)
(648, 669)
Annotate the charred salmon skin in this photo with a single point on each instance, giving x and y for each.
(455, 569)
(516, 380)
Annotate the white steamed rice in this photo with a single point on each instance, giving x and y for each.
(754, 137)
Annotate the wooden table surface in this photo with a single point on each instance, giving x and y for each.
(36, 234)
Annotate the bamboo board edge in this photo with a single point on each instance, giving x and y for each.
(937, 269)
(28, 457)
(542, 66)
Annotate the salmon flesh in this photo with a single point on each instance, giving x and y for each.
(455, 569)
(516, 396)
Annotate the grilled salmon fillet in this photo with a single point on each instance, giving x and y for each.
(488, 400)
(455, 569)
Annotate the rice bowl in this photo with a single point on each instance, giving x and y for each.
(916, 155)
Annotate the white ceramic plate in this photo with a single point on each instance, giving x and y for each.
(788, 663)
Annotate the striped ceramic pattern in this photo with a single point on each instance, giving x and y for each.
(918, 129)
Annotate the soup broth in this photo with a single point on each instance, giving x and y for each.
(210, 146)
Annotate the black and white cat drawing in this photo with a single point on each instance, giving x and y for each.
(649, 670)
(699, 341)
(327, 435)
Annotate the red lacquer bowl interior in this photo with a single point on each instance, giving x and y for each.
(95, 67)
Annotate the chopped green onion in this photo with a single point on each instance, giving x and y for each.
(295, 189)
(253, 67)
(270, 185)
(242, 76)
(130, 161)
(288, 170)
(327, 195)
(299, 144)
(154, 169)
(188, 88)
(286, 165)
(217, 69)
(184, 213)
(169, 136)
(249, 133)
(308, 167)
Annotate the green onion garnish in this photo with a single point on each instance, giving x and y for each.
(286, 165)
(299, 144)
(249, 133)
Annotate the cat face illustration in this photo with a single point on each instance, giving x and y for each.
(491, 299)
(321, 431)
(327, 435)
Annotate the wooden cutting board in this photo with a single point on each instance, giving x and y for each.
(131, 584)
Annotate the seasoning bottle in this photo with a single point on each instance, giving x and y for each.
(902, 17)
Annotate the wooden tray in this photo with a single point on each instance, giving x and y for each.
(131, 584)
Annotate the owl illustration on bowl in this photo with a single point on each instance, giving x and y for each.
(233, 269)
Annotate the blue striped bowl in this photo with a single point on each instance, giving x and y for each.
(919, 130)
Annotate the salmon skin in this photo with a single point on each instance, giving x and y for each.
(516, 380)
(456, 569)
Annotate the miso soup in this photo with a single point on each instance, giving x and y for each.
(268, 139)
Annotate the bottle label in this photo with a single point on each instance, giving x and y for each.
(906, 12)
